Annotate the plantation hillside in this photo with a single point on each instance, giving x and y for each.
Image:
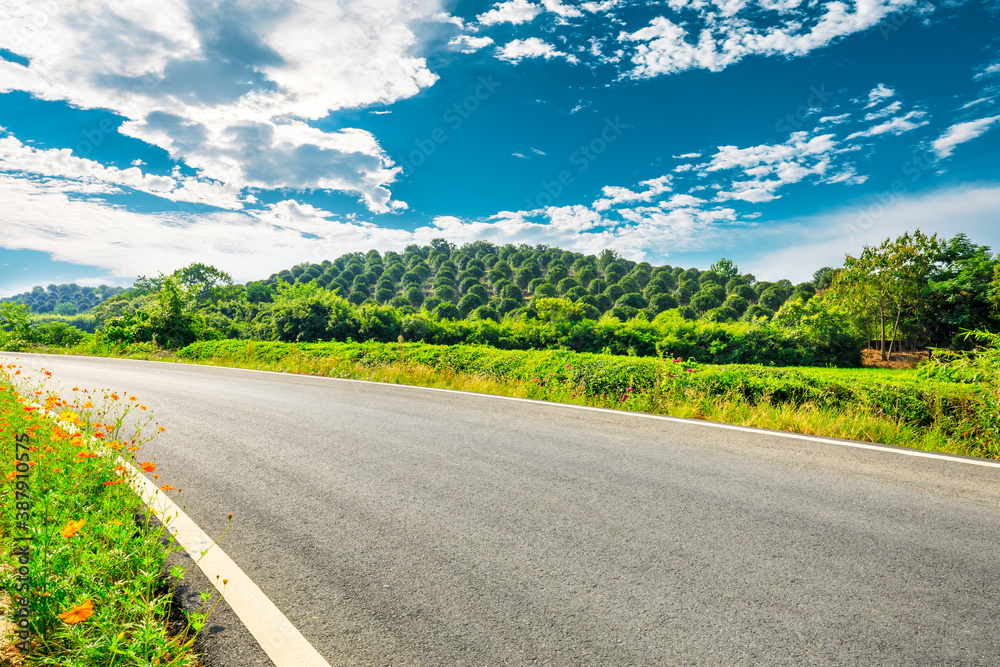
(68, 299)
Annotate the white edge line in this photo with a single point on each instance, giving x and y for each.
(281, 640)
(954, 458)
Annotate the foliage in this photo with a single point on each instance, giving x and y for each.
(884, 284)
(98, 592)
(170, 322)
(957, 296)
(15, 326)
(67, 299)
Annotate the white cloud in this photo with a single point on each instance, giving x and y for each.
(469, 44)
(878, 94)
(887, 110)
(679, 200)
(614, 195)
(834, 120)
(688, 156)
(515, 11)
(729, 30)
(532, 47)
(770, 167)
(521, 155)
(564, 11)
(537, 152)
(961, 133)
(228, 88)
(895, 126)
(87, 174)
(989, 70)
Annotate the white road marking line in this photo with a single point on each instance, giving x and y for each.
(281, 640)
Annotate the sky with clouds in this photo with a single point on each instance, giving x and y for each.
(137, 137)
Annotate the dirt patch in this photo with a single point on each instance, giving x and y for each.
(873, 359)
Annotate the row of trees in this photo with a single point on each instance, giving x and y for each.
(493, 281)
(67, 299)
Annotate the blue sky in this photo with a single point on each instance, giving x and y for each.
(781, 134)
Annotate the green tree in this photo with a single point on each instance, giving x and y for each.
(957, 297)
(725, 268)
(884, 283)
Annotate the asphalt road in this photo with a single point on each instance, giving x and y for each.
(403, 526)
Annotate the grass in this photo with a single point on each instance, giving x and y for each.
(86, 582)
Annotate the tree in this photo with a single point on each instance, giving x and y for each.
(704, 301)
(957, 297)
(725, 268)
(884, 284)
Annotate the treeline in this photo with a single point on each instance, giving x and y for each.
(68, 299)
(921, 289)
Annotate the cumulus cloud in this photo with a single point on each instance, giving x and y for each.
(961, 133)
(532, 47)
(87, 175)
(469, 43)
(515, 11)
(723, 33)
(230, 88)
(614, 195)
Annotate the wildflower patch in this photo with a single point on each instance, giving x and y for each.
(85, 579)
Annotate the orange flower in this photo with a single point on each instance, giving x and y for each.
(87, 455)
(167, 487)
(69, 530)
(132, 398)
(120, 469)
(76, 442)
(78, 614)
(12, 474)
(114, 396)
(148, 466)
(57, 470)
(143, 407)
(88, 404)
(112, 482)
(161, 429)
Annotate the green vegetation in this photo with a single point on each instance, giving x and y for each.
(64, 299)
(88, 580)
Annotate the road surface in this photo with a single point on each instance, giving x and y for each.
(403, 526)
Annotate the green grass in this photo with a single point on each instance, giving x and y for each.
(91, 585)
